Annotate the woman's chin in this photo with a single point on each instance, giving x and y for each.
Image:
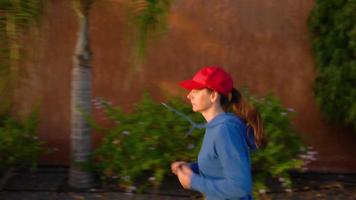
(195, 109)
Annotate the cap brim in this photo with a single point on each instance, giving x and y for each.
(190, 85)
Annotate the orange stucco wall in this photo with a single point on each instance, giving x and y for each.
(264, 44)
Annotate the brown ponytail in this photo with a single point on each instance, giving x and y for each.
(234, 102)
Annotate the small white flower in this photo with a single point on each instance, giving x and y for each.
(131, 188)
(313, 158)
(281, 179)
(35, 137)
(262, 191)
(152, 178)
(310, 148)
(291, 109)
(125, 132)
(126, 178)
(312, 153)
(288, 190)
(303, 156)
(190, 146)
(284, 113)
(116, 142)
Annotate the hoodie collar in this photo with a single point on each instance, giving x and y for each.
(222, 117)
(218, 119)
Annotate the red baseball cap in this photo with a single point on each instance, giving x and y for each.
(211, 77)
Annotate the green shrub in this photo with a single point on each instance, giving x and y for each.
(332, 25)
(146, 141)
(284, 145)
(19, 144)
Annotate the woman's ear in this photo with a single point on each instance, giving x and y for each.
(214, 97)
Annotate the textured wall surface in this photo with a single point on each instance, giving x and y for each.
(263, 44)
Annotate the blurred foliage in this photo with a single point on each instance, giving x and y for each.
(149, 17)
(332, 24)
(144, 142)
(284, 146)
(82, 7)
(19, 144)
(16, 17)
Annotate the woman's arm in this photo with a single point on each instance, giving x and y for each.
(178, 164)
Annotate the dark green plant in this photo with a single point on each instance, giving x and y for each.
(332, 25)
(144, 142)
(19, 144)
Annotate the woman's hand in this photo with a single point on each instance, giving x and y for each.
(176, 165)
(184, 174)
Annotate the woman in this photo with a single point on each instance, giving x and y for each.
(233, 128)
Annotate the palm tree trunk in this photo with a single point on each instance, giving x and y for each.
(81, 104)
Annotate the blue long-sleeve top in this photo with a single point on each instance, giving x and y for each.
(223, 170)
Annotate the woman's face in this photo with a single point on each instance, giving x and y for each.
(200, 99)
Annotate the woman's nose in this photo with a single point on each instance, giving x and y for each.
(189, 95)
